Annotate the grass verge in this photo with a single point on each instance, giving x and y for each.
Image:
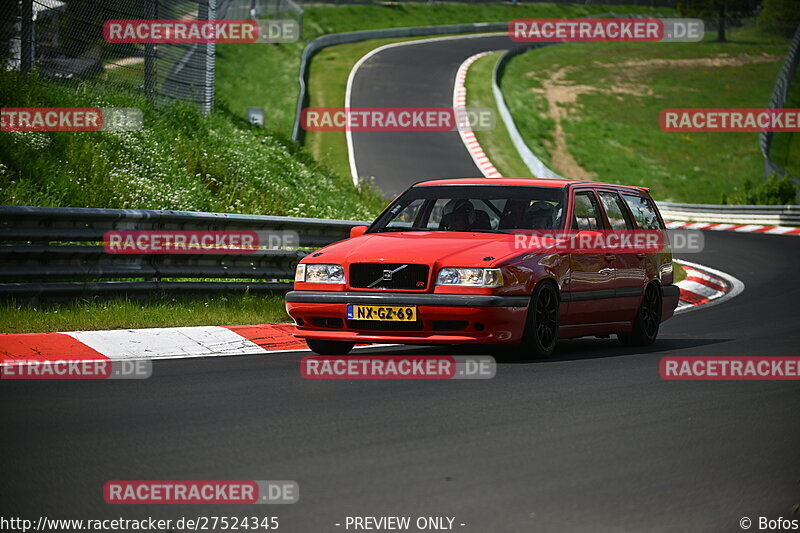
(678, 273)
(496, 143)
(179, 160)
(155, 312)
(607, 100)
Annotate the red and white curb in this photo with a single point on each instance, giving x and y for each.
(151, 343)
(705, 286)
(467, 135)
(743, 228)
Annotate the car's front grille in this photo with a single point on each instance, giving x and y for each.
(389, 276)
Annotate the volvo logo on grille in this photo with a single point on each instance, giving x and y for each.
(387, 275)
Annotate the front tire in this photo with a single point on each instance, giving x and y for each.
(648, 319)
(321, 347)
(541, 327)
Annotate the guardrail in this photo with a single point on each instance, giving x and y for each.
(773, 215)
(53, 252)
(777, 100)
(50, 252)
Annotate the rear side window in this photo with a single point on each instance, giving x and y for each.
(615, 210)
(587, 214)
(644, 212)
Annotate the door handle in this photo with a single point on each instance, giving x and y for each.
(641, 255)
(609, 257)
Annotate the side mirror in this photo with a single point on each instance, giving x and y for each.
(356, 231)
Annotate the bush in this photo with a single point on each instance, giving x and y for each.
(780, 17)
(773, 191)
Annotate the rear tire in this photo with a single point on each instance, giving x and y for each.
(321, 347)
(541, 328)
(648, 319)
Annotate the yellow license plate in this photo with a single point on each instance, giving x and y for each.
(385, 313)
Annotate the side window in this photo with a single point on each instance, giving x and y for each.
(644, 212)
(587, 214)
(615, 210)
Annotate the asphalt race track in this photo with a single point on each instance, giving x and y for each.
(414, 75)
(592, 439)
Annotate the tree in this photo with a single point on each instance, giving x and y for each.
(779, 16)
(724, 12)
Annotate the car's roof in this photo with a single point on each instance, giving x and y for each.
(528, 182)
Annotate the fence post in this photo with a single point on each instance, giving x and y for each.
(207, 11)
(150, 55)
(26, 37)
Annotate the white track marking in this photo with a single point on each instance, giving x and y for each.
(156, 343)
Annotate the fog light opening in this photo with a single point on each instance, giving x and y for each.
(478, 326)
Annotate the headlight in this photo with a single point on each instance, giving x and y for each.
(317, 273)
(470, 277)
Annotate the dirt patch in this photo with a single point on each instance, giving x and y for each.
(562, 96)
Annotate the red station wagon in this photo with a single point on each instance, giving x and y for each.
(442, 265)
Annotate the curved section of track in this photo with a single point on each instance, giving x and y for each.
(413, 74)
(592, 439)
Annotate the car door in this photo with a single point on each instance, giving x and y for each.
(591, 281)
(629, 268)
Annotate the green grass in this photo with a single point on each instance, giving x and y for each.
(179, 160)
(260, 75)
(678, 273)
(153, 313)
(496, 143)
(612, 129)
(318, 21)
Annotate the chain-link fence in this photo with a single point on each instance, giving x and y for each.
(778, 99)
(64, 40)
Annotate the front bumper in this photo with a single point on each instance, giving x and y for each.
(442, 318)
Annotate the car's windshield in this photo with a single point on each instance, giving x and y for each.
(478, 208)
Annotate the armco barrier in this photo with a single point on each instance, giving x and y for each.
(775, 215)
(49, 252)
(777, 100)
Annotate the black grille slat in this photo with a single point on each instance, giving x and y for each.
(411, 277)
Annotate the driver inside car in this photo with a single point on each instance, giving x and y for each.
(539, 216)
(458, 215)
